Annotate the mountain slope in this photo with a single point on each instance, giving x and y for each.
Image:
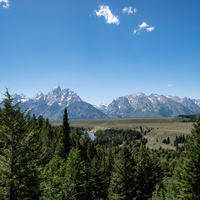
(130, 106)
(52, 105)
(140, 105)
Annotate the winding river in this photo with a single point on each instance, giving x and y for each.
(91, 134)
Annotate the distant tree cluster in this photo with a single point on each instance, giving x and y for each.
(115, 137)
(181, 139)
(188, 118)
(166, 141)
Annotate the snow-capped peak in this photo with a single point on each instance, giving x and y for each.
(57, 89)
(38, 95)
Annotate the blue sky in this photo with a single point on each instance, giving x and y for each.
(100, 49)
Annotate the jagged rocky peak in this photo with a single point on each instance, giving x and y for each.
(56, 90)
(153, 95)
(19, 95)
(38, 95)
(140, 94)
(136, 97)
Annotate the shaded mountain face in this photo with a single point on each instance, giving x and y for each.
(140, 105)
(52, 105)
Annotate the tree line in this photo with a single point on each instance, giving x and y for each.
(38, 161)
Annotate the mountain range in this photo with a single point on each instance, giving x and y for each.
(131, 106)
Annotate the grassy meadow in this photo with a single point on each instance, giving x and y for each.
(162, 128)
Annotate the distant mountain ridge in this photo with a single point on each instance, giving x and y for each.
(140, 105)
(130, 106)
(52, 105)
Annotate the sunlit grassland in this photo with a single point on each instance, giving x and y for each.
(162, 128)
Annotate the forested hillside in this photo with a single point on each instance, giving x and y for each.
(39, 161)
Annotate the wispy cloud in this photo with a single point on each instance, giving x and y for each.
(142, 26)
(169, 85)
(150, 29)
(129, 10)
(109, 16)
(5, 3)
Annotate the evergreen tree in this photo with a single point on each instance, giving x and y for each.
(161, 192)
(65, 179)
(48, 139)
(75, 138)
(91, 152)
(84, 143)
(65, 137)
(18, 172)
(110, 166)
(40, 121)
(148, 173)
(186, 184)
(123, 182)
(96, 175)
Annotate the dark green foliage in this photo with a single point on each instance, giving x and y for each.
(91, 152)
(161, 192)
(123, 180)
(84, 144)
(18, 152)
(65, 141)
(40, 121)
(65, 180)
(48, 139)
(180, 139)
(75, 138)
(186, 184)
(96, 176)
(188, 118)
(113, 137)
(148, 173)
(166, 141)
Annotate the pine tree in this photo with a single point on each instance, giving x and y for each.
(96, 175)
(40, 121)
(48, 139)
(75, 138)
(123, 181)
(65, 179)
(110, 166)
(18, 172)
(148, 173)
(186, 177)
(65, 137)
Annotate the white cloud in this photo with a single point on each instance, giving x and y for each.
(5, 3)
(169, 85)
(150, 29)
(135, 10)
(106, 12)
(142, 26)
(128, 10)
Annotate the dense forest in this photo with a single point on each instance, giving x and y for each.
(38, 161)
